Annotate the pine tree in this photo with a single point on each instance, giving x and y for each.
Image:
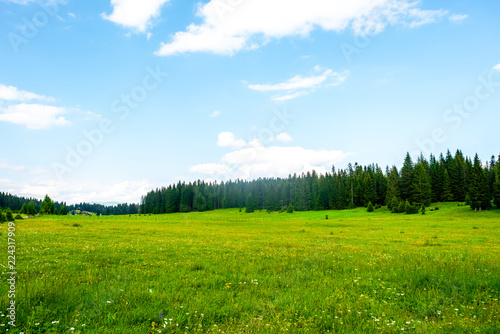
(289, 209)
(406, 179)
(478, 187)
(496, 186)
(421, 186)
(9, 215)
(3, 218)
(395, 205)
(24, 209)
(63, 211)
(447, 195)
(370, 207)
(47, 206)
(369, 194)
(250, 205)
(392, 188)
(31, 208)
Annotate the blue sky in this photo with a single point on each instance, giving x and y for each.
(100, 102)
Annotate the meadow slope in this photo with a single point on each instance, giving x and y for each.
(227, 271)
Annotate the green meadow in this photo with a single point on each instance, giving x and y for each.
(227, 271)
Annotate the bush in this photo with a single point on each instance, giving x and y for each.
(422, 209)
(370, 207)
(401, 207)
(411, 209)
(436, 208)
(18, 216)
(9, 215)
(289, 209)
(3, 219)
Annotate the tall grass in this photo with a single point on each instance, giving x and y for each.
(231, 272)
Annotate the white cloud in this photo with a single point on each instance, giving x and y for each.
(458, 18)
(4, 164)
(228, 139)
(77, 192)
(11, 93)
(300, 85)
(34, 116)
(216, 113)
(20, 2)
(253, 159)
(211, 169)
(227, 28)
(284, 137)
(135, 14)
(497, 67)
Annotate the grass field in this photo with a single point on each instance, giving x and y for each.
(230, 272)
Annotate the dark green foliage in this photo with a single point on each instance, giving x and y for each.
(3, 218)
(24, 209)
(63, 211)
(9, 215)
(369, 190)
(411, 208)
(422, 209)
(406, 179)
(370, 207)
(421, 185)
(31, 208)
(250, 205)
(18, 217)
(392, 187)
(47, 206)
(480, 198)
(443, 179)
(289, 209)
(401, 207)
(447, 195)
(496, 185)
(395, 205)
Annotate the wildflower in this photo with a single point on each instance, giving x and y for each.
(72, 329)
(108, 301)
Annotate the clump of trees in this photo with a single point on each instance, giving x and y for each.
(420, 183)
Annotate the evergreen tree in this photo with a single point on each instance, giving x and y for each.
(289, 209)
(478, 188)
(421, 186)
(250, 205)
(447, 195)
(47, 206)
(370, 207)
(369, 190)
(395, 205)
(496, 186)
(392, 188)
(24, 209)
(406, 179)
(9, 215)
(31, 208)
(63, 211)
(3, 218)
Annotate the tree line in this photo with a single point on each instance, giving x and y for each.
(33, 206)
(419, 183)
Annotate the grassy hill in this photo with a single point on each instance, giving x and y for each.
(227, 271)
